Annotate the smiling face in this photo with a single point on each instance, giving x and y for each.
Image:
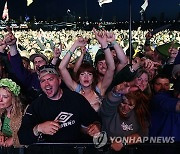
(142, 81)
(5, 98)
(101, 67)
(173, 52)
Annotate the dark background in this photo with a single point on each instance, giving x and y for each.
(118, 10)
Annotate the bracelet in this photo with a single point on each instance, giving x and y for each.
(113, 43)
(105, 48)
(70, 52)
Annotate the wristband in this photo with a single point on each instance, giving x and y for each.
(105, 48)
(70, 52)
(113, 43)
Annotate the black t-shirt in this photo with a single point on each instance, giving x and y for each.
(72, 109)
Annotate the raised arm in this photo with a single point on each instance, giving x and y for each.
(56, 54)
(119, 51)
(80, 59)
(101, 36)
(71, 84)
(10, 40)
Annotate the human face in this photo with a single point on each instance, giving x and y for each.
(5, 98)
(161, 84)
(86, 79)
(50, 85)
(25, 64)
(101, 67)
(126, 106)
(38, 62)
(142, 81)
(173, 52)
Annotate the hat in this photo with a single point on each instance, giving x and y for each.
(163, 49)
(99, 56)
(11, 85)
(47, 69)
(33, 56)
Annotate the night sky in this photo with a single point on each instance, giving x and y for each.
(117, 10)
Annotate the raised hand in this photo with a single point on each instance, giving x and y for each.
(125, 87)
(81, 42)
(10, 39)
(101, 36)
(57, 51)
(149, 35)
(110, 36)
(83, 50)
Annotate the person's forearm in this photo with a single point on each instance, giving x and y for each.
(109, 60)
(78, 63)
(54, 61)
(120, 54)
(13, 50)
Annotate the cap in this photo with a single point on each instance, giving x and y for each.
(163, 49)
(47, 69)
(33, 56)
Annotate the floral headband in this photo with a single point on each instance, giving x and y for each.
(13, 87)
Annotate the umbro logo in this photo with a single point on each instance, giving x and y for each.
(63, 117)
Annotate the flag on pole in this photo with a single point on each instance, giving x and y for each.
(144, 6)
(29, 2)
(101, 2)
(5, 14)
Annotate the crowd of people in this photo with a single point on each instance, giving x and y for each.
(30, 41)
(69, 86)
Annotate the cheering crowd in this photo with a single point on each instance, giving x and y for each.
(68, 86)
